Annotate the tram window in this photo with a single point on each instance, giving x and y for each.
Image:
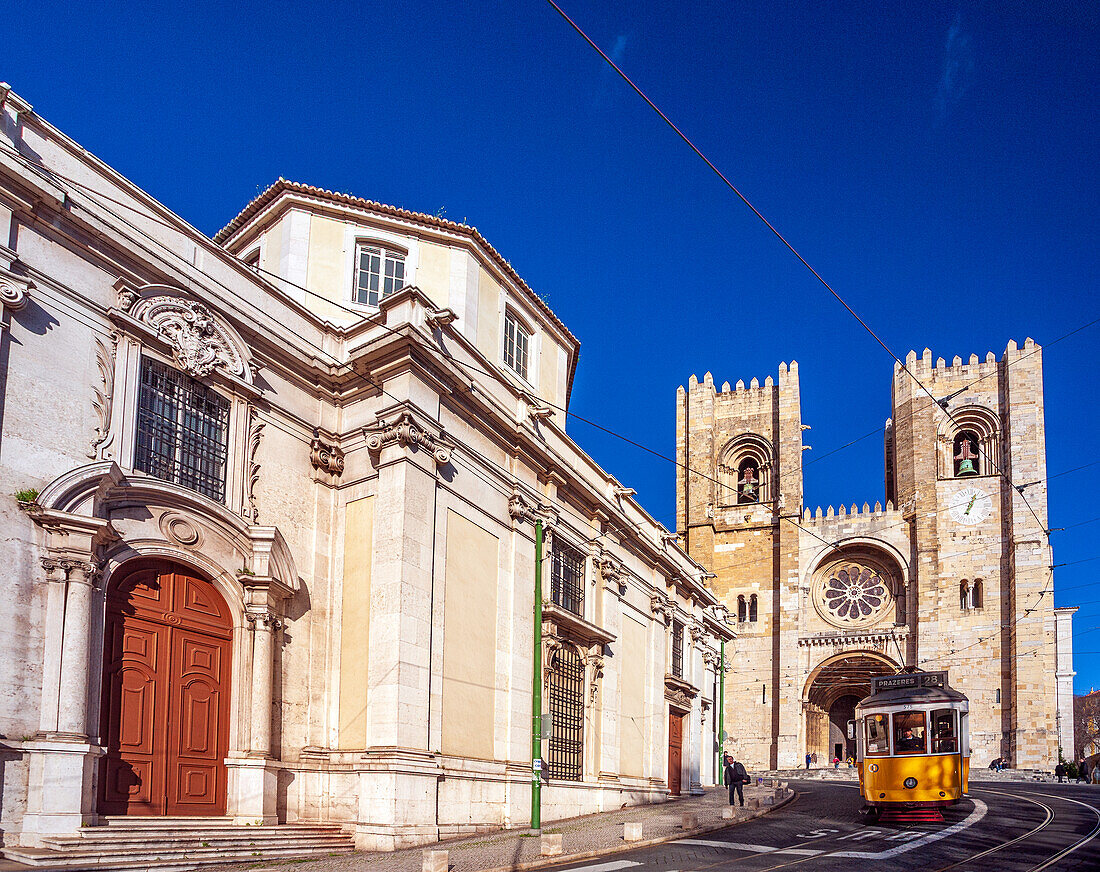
(878, 734)
(945, 735)
(909, 729)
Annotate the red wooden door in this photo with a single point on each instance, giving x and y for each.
(165, 695)
(675, 746)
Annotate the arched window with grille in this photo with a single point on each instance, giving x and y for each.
(752, 609)
(565, 692)
(742, 610)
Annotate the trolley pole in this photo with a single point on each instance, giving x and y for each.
(536, 692)
(721, 712)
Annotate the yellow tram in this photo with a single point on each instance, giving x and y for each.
(912, 745)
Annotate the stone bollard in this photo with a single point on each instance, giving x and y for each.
(754, 803)
(768, 800)
(551, 844)
(689, 821)
(632, 832)
(434, 861)
(728, 813)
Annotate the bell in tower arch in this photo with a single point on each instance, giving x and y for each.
(967, 445)
(747, 484)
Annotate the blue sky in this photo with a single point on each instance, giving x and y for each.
(936, 162)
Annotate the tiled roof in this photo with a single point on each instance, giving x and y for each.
(281, 185)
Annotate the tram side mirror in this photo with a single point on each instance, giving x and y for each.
(851, 729)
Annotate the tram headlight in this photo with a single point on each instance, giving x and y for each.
(910, 782)
(874, 767)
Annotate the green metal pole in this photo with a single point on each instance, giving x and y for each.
(536, 691)
(721, 713)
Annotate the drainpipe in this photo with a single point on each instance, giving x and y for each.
(536, 693)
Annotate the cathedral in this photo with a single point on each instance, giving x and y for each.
(951, 570)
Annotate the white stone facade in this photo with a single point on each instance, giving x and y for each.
(373, 536)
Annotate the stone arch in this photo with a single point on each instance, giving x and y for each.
(977, 424)
(881, 557)
(95, 520)
(829, 695)
(747, 449)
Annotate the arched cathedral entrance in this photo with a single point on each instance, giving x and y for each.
(830, 698)
(165, 710)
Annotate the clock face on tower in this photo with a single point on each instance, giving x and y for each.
(971, 505)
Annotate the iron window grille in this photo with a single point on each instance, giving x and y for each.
(182, 430)
(565, 754)
(517, 343)
(677, 649)
(379, 272)
(567, 578)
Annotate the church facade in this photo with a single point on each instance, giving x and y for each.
(270, 511)
(950, 570)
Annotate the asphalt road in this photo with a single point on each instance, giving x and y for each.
(1000, 828)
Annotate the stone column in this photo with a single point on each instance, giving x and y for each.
(72, 710)
(263, 625)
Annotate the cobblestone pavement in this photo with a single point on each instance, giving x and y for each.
(590, 835)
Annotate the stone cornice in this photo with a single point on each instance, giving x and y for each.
(854, 637)
(559, 622)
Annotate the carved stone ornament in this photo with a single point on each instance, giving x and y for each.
(710, 657)
(199, 342)
(698, 632)
(264, 619)
(103, 393)
(678, 698)
(661, 607)
(595, 663)
(613, 572)
(13, 293)
(326, 458)
(404, 431)
(255, 435)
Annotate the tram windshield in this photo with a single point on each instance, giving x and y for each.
(945, 731)
(909, 733)
(878, 734)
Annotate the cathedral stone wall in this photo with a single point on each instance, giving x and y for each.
(950, 570)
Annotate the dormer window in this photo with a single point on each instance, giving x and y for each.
(517, 344)
(379, 272)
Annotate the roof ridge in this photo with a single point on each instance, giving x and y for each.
(281, 184)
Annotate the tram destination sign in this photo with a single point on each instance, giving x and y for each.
(908, 681)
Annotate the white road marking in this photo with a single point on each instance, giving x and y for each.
(606, 867)
(979, 812)
(752, 849)
(916, 840)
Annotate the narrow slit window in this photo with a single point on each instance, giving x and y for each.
(517, 345)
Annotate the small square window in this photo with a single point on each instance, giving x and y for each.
(517, 344)
(379, 272)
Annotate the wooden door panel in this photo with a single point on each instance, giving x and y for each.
(675, 752)
(136, 690)
(197, 723)
(165, 696)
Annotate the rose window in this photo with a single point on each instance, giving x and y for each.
(853, 594)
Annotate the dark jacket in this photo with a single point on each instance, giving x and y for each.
(735, 773)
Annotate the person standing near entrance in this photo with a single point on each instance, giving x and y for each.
(736, 778)
(808, 758)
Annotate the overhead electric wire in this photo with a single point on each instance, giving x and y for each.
(785, 242)
(461, 364)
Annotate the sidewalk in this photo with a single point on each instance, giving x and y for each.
(582, 837)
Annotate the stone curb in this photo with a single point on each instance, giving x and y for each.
(630, 846)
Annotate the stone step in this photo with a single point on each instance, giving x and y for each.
(172, 859)
(85, 847)
(116, 834)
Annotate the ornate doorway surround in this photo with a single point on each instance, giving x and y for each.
(833, 684)
(165, 704)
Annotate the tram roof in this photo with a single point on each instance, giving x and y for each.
(916, 695)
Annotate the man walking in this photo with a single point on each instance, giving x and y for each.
(736, 778)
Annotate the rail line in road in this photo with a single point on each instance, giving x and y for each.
(1041, 832)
